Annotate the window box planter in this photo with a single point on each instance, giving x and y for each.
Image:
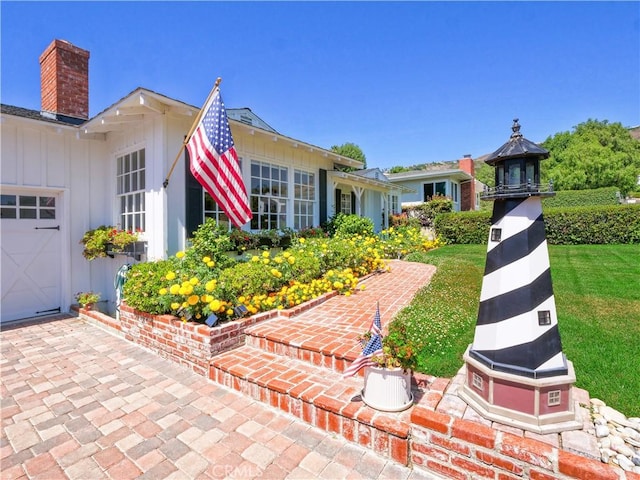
(134, 250)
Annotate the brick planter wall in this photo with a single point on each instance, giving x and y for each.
(463, 449)
(187, 343)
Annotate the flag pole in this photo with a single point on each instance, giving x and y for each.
(195, 123)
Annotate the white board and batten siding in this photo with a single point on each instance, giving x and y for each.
(41, 261)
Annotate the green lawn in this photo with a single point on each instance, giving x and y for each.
(597, 292)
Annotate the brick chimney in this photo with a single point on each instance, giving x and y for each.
(467, 188)
(64, 80)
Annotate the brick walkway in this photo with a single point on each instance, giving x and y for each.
(80, 403)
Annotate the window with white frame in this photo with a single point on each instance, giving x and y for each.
(213, 210)
(130, 186)
(29, 207)
(345, 203)
(454, 192)
(304, 195)
(268, 196)
(395, 207)
(434, 188)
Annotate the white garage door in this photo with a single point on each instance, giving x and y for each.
(31, 255)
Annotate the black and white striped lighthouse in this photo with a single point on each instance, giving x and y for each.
(517, 373)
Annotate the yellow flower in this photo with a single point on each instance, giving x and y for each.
(265, 254)
(286, 254)
(302, 240)
(170, 275)
(265, 261)
(193, 299)
(180, 254)
(291, 260)
(214, 305)
(174, 289)
(162, 291)
(255, 258)
(210, 285)
(229, 312)
(194, 281)
(211, 264)
(278, 259)
(175, 306)
(206, 259)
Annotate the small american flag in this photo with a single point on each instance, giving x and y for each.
(214, 162)
(372, 348)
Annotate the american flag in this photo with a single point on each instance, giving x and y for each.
(372, 348)
(214, 162)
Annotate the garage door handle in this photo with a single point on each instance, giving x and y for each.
(57, 227)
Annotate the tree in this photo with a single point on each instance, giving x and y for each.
(399, 169)
(596, 154)
(352, 151)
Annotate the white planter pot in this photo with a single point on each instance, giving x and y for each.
(387, 389)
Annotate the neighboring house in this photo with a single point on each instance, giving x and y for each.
(63, 174)
(459, 184)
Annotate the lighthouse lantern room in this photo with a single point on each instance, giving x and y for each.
(516, 372)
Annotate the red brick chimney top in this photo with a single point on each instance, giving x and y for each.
(466, 164)
(64, 80)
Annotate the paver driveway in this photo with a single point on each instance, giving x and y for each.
(78, 402)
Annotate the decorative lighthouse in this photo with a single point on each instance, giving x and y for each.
(517, 373)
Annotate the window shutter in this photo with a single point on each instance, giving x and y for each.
(338, 200)
(322, 186)
(194, 215)
(353, 203)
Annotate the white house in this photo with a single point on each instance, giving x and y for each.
(459, 184)
(63, 174)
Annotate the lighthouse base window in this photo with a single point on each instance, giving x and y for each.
(496, 234)
(553, 398)
(476, 381)
(544, 318)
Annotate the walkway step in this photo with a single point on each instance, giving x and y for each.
(316, 395)
(315, 344)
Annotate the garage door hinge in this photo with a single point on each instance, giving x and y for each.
(57, 227)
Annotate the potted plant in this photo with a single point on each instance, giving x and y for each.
(106, 240)
(87, 299)
(388, 362)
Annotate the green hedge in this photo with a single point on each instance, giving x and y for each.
(564, 226)
(582, 198)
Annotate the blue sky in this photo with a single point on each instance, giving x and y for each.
(409, 82)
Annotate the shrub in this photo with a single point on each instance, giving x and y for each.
(427, 212)
(593, 225)
(243, 240)
(401, 241)
(311, 232)
(582, 198)
(143, 282)
(463, 227)
(213, 241)
(564, 226)
(349, 225)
